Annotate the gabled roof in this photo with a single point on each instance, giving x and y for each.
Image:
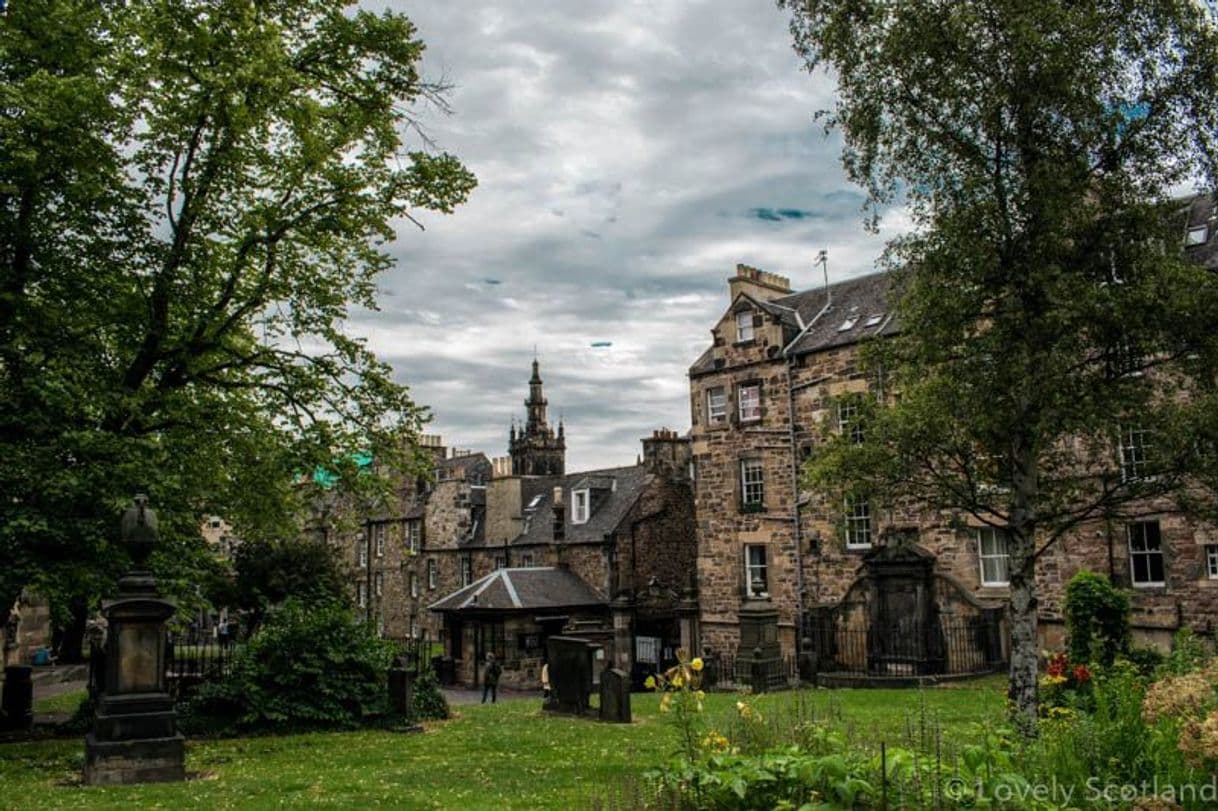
(614, 492)
(521, 590)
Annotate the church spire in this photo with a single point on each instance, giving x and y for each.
(535, 449)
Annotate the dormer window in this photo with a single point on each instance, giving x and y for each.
(1196, 236)
(744, 325)
(579, 506)
(848, 324)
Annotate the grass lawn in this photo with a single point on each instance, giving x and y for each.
(500, 756)
(64, 702)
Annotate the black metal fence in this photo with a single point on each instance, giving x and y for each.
(726, 671)
(416, 653)
(955, 645)
(193, 658)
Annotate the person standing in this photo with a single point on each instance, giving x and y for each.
(490, 678)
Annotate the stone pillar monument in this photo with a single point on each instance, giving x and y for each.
(135, 737)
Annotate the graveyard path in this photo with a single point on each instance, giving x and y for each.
(462, 695)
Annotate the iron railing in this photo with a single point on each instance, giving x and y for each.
(955, 645)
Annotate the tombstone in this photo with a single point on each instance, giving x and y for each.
(401, 689)
(135, 737)
(571, 667)
(17, 705)
(615, 696)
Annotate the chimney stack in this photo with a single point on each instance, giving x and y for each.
(560, 524)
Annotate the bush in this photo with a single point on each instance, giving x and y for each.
(429, 701)
(1097, 619)
(269, 573)
(305, 668)
(1147, 661)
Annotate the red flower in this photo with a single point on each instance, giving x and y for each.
(1057, 665)
(1081, 674)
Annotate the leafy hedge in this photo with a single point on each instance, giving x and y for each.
(305, 668)
(429, 701)
(1097, 619)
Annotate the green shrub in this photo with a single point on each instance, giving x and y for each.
(305, 668)
(1097, 619)
(1188, 654)
(1147, 661)
(429, 701)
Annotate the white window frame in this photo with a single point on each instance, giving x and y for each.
(1134, 452)
(414, 535)
(433, 574)
(716, 415)
(378, 584)
(856, 518)
(744, 326)
(1002, 558)
(1197, 235)
(1139, 528)
(378, 540)
(752, 482)
(750, 406)
(581, 501)
(362, 554)
(361, 594)
(751, 566)
(848, 421)
(414, 584)
(1211, 561)
(467, 570)
(526, 560)
(500, 562)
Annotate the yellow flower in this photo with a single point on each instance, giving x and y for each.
(700, 695)
(678, 682)
(696, 664)
(665, 701)
(650, 682)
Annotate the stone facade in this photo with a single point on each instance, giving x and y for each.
(770, 385)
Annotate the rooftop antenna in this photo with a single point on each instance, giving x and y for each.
(822, 259)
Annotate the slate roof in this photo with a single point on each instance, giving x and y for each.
(614, 492)
(541, 588)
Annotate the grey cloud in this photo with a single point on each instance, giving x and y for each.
(620, 148)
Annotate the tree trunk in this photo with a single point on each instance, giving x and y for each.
(1022, 687)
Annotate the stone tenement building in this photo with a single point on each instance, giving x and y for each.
(761, 394)
(496, 555)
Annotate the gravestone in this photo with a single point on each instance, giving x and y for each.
(401, 689)
(134, 737)
(571, 667)
(615, 696)
(17, 706)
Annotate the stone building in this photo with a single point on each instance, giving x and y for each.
(770, 383)
(486, 558)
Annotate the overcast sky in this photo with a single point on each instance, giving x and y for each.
(628, 155)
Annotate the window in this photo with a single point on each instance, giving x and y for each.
(378, 584)
(414, 534)
(1196, 236)
(750, 402)
(361, 594)
(414, 585)
(526, 560)
(744, 326)
(1211, 561)
(848, 420)
(874, 320)
(858, 523)
(380, 624)
(848, 324)
(756, 577)
(215, 522)
(1145, 554)
(993, 548)
(716, 405)
(467, 571)
(752, 485)
(363, 554)
(432, 574)
(378, 539)
(693, 470)
(1135, 444)
(500, 561)
(579, 509)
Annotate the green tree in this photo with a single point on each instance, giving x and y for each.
(271, 572)
(193, 196)
(1044, 301)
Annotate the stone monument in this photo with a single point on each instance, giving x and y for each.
(572, 665)
(615, 696)
(135, 737)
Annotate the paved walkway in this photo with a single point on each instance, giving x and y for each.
(464, 695)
